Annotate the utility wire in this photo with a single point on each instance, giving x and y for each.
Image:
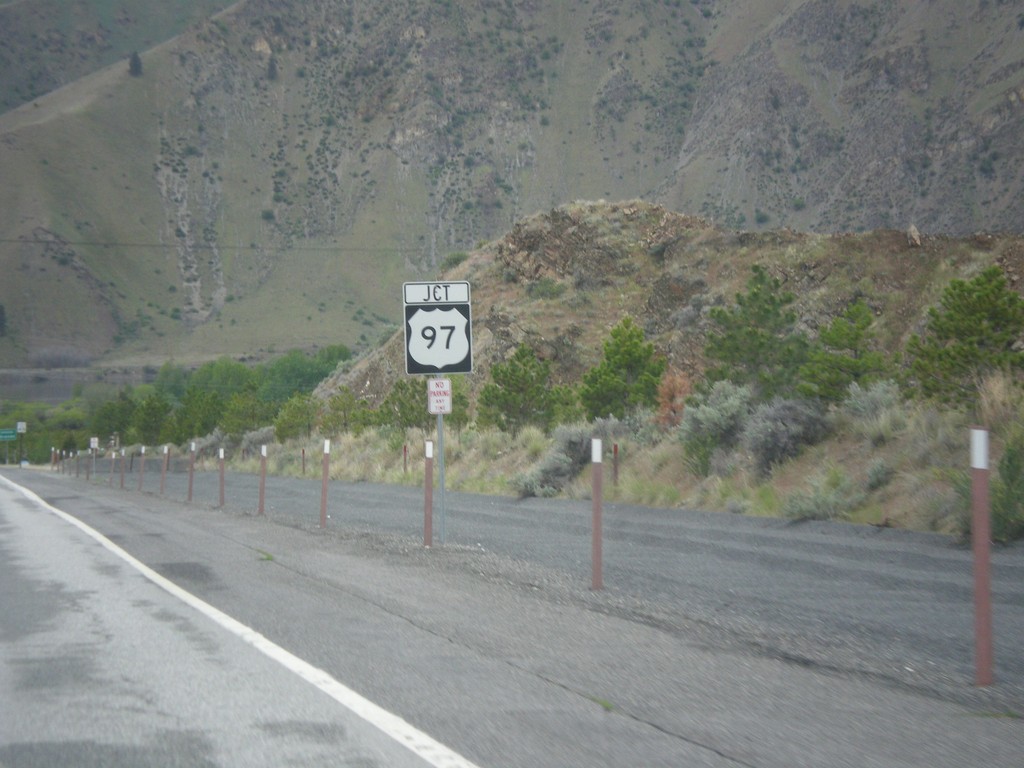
(207, 246)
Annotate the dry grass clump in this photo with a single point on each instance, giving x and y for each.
(1000, 403)
(886, 461)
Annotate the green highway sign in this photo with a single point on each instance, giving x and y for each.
(8, 435)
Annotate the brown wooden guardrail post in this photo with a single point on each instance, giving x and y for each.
(263, 480)
(163, 469)
(142, 466)
(326, 472)
(428, 495)
(597, 581)
(220, 463)
(191, 469)
(981, 543)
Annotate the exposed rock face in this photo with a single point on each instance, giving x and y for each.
(668, 271)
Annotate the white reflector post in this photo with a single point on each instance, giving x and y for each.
(429, 448)
(595, 450)
(327, 446)
(979, 448)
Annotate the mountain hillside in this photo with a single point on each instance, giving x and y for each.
(559, 281)
(47, 44)
(273, 174)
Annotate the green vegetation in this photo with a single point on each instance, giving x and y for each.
(345, 413)
(452, 260)
(180, 405)
(714, 420)
(628, 376)
(296, 418)
(520, 394)
(973, 333)
(844, 355)
(832, 496)
(545, 288)
(755, 342)
(1008, 492)
(777, 431)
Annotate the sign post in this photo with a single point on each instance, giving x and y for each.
(439, 402)
(438, 340)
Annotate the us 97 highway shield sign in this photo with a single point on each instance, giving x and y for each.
(438, 328)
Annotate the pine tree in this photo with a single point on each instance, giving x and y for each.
(842, 357)
(756, 341)
(971, 334)
(628, 376)
(296, 418)
(148, 419)
(519, 394)
(135, 64)
(406, 406)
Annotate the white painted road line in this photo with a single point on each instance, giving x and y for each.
(423, 746)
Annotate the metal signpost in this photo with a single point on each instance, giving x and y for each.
(439, 402)
(438, 340)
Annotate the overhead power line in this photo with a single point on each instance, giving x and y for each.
(207, 246)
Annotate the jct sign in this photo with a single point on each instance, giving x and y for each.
(438, 328)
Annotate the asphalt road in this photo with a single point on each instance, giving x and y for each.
(103, 664)
(718, 640)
